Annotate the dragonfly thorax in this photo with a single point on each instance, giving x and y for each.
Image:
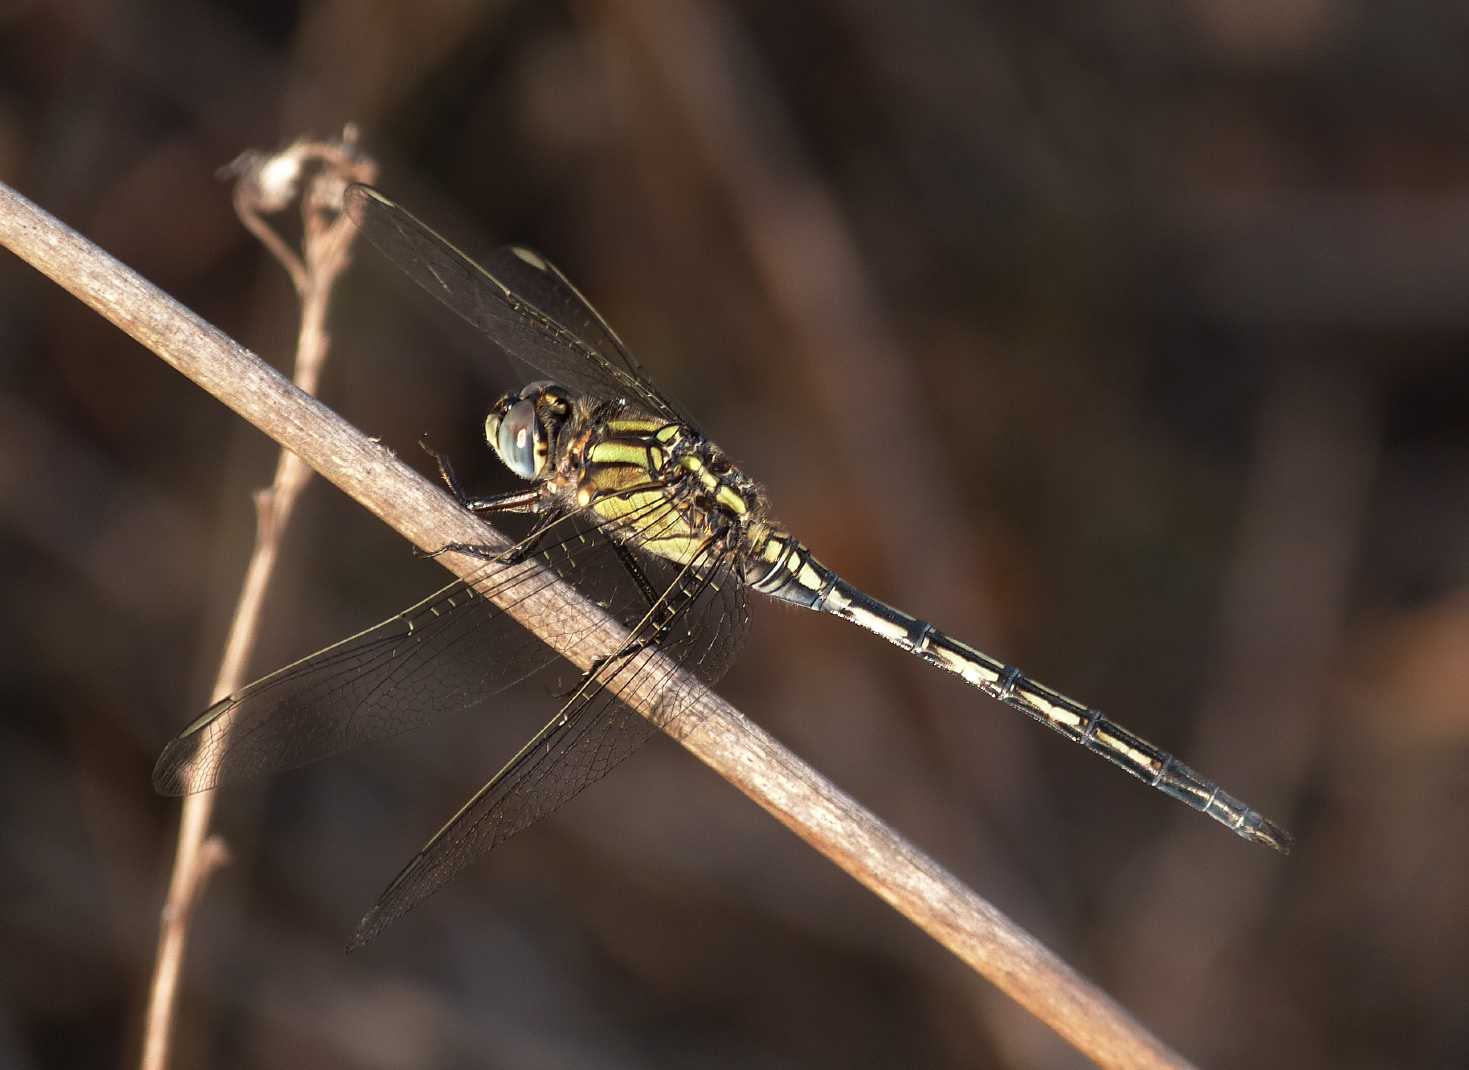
(652, 482)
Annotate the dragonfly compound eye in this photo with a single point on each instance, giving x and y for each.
(520, 440)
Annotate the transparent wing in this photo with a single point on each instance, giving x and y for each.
(596, 729)
(455, 648)
(516, 297)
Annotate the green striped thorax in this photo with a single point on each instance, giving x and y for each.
(654, 482)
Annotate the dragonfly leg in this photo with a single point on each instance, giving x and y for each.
(469, 549)
(515, 501)
(670, 612)
(635, 647)
(598, 664)
(635, 570)
(446, 471)
(511, 555)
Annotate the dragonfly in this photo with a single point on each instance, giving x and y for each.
(629, 501)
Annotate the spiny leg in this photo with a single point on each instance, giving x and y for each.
(670, 608)
(515, 501)
(630, 562)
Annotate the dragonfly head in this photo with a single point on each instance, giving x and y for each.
(521, 427)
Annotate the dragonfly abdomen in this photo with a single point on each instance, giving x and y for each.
(790, 573)
(779, 566)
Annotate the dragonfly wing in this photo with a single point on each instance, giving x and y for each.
(536, 281)
(454, 649)
(589, 736)
(516, 297)
(446, 653)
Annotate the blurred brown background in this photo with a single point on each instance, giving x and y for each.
(1127, 344)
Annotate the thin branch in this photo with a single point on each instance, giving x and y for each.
(311, 174)
(716, 733)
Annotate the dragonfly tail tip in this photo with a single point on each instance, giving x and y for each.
(1260, 829)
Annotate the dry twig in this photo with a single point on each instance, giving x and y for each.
(313, 174)
(718, 735)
